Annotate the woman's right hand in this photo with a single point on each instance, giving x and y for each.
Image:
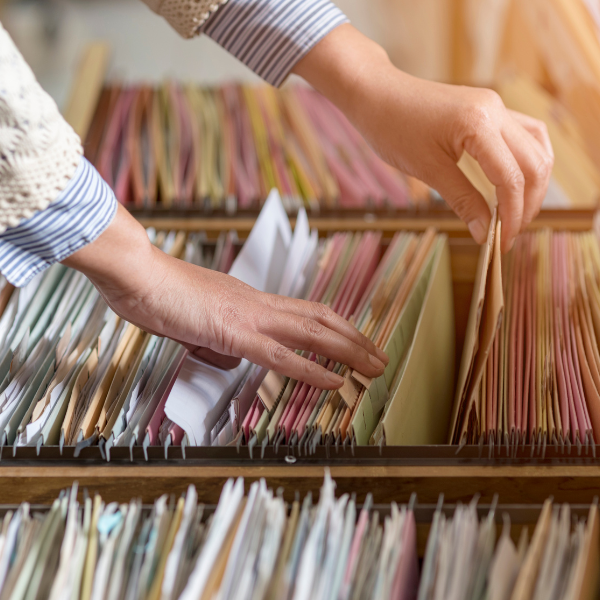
(217, 317)
(423, 127)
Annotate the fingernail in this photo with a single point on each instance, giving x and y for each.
(376, 363)
(335, 379)
(508, 246)
(383, 357)
(478, 230)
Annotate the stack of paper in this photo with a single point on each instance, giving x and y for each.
(73, 373)
(465, 561)
(251, 547)
(256, 546)
(530, 371)
(226, 148)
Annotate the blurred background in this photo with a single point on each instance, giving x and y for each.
(52, 34)
(542, 56)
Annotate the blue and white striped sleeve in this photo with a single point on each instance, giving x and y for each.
(271, 36)
(81, 212)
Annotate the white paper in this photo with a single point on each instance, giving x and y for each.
(223, 519)
(261, 261)
(307, 268)
(201, 393)
(296, 254)
(504, 568)
(174, 558)
(199, 397)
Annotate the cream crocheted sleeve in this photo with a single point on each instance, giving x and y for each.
(185, 16)
(39, 152)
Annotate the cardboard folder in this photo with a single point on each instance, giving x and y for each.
(422, 347)
(420, 407)
(484, 318)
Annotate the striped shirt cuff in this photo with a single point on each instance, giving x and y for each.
(271, 36)
(82, 211)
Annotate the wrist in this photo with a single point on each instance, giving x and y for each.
(121, 258)
(355, 74)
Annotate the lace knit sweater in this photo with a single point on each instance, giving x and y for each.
(185, 16)
(39, 152)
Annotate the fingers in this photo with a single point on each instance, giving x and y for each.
(268, 353)
(327, 317)
(536, 128)
(516, 155)
(501, 168)
(212, 358)
(535, 164)
(464, 200)
(304, 333)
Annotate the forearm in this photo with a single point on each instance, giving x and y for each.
(348, 68)
(356, 74)
(120, 259)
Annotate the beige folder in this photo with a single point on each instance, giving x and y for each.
(419, 409)
(487, 307)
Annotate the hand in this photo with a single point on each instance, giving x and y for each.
(217, 317)
(422, 128)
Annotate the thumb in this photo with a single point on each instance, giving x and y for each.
(464, 200)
